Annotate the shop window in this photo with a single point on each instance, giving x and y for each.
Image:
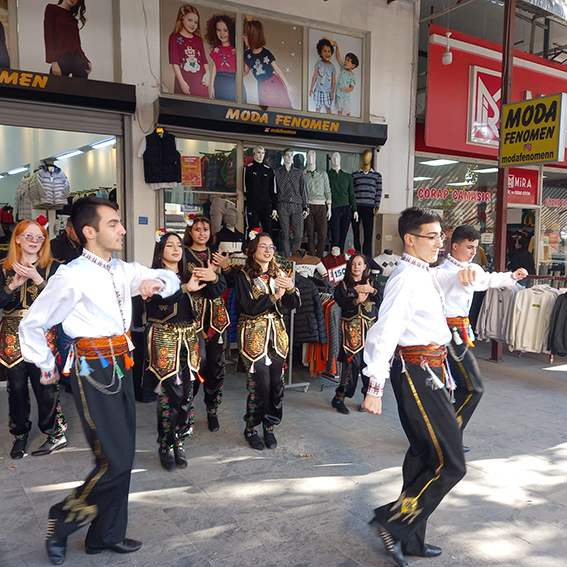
(553, 230)
(76, 163)
(464, 193)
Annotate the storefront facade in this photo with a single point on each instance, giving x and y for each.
(456, 160)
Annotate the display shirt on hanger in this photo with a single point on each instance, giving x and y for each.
(260, 194)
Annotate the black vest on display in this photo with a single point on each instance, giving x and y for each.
(162, 161)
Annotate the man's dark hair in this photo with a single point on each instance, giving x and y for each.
(353, 58)
(321, 43)
(464, 232)
(85, 213)
(411, 220)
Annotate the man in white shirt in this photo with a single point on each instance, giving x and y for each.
(411, 325)
(458, 300)
(91, 297)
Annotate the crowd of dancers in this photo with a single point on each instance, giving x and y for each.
(72, 320)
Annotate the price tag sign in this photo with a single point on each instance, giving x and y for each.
(337, 274)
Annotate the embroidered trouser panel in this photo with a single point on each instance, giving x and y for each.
(435, 460)
(212, 371)
(316, 221)
(290, 215)
(349, 377)
(109, 423)
(265, 392)
(50, 417)
(466, 373)
(175, 413)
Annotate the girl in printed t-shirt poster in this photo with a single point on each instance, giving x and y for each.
(273, 88)
(187, 54)
(221, 37)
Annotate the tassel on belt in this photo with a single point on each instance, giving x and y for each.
(464, 325)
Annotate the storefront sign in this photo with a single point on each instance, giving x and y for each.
(191, 171)
(217, 118)
(69, 91)
(533, 131)
(456, 195)
(463, 99)
(522, 186)
(555, 203)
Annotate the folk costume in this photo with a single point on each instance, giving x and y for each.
(213, 320)
(458, 301)
(356, 320)
(173, 353)
(263, 346)
(15, 305)
(93, 300)
(411, 325)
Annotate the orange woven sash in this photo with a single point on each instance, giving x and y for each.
(90, 348)
(463, 324)
(434, 355)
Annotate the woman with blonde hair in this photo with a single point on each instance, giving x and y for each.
(24, 275)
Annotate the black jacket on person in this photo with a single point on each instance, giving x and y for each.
(62, 249)
(557, 338)
(309, 326)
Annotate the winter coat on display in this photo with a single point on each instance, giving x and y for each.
(162, 160)
(309, 317)
(23, 204)
(557, 340)
(49, 188)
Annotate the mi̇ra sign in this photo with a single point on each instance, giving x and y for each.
(533, 131)
(22, 79)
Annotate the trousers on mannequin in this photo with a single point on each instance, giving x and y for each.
(366, 218)
(339, 224)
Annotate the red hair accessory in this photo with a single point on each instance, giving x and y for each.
(42, 221)
(254, 233)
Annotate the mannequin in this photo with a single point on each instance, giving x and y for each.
(292, 203)
(259, 192)
(229, 238)
(319, 198)
(336, 259)
(368, 192)
(387, 261)
(344, 202)
(310, 263)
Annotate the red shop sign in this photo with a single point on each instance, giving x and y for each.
(522, 186)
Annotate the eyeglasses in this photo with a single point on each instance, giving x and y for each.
(267, 247)
(34, 238)
(433, 239)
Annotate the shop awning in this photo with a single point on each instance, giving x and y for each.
(545, 8)
(67, 91)
(278, 123)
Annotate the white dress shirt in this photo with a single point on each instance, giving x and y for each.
(411, 314)
(458, 298)
(82, 295)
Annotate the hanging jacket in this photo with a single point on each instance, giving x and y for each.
(309, 322)
(23, 204)
(162, 161)
(49, 188)
(557, 339)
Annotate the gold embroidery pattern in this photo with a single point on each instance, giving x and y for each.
(408, 509)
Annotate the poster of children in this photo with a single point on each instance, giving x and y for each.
(273, 60)
(335, 65)
(198, 56)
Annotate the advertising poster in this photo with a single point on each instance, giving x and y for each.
(4, 35)
(335, 77)
(273, 60)
(191, 171)
(77, 38)
(198, 55)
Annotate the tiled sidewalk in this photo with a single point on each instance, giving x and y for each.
(236, 507)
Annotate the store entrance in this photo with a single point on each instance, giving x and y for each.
(521, 239)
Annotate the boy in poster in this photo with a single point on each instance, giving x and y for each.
(324, 79)
(346, 82)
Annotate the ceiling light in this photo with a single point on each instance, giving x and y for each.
(2, 175)
(18, 170)
(489, 170)
(461, 183)
(422, 178)
(69, 154)
(447, 58)
(438, 162)
(103, 144)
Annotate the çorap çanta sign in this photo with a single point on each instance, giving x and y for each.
(522, 186)
(456, 195)
(533, 131)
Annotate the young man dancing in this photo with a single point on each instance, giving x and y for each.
(458, 301)
(411, 325)
(91, 296)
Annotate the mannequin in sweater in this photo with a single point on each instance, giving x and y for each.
(319, 201)
(344, 202)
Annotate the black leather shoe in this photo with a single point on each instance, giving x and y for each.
(393, 547)
(361, 409)
(19, 448)
(270, 440)
(167, 458)
(125, 546)
(340, 406)
(254, 440)
(52, 444)
(429, 551)
(213, 422)
(180, 457)
(466, 449)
